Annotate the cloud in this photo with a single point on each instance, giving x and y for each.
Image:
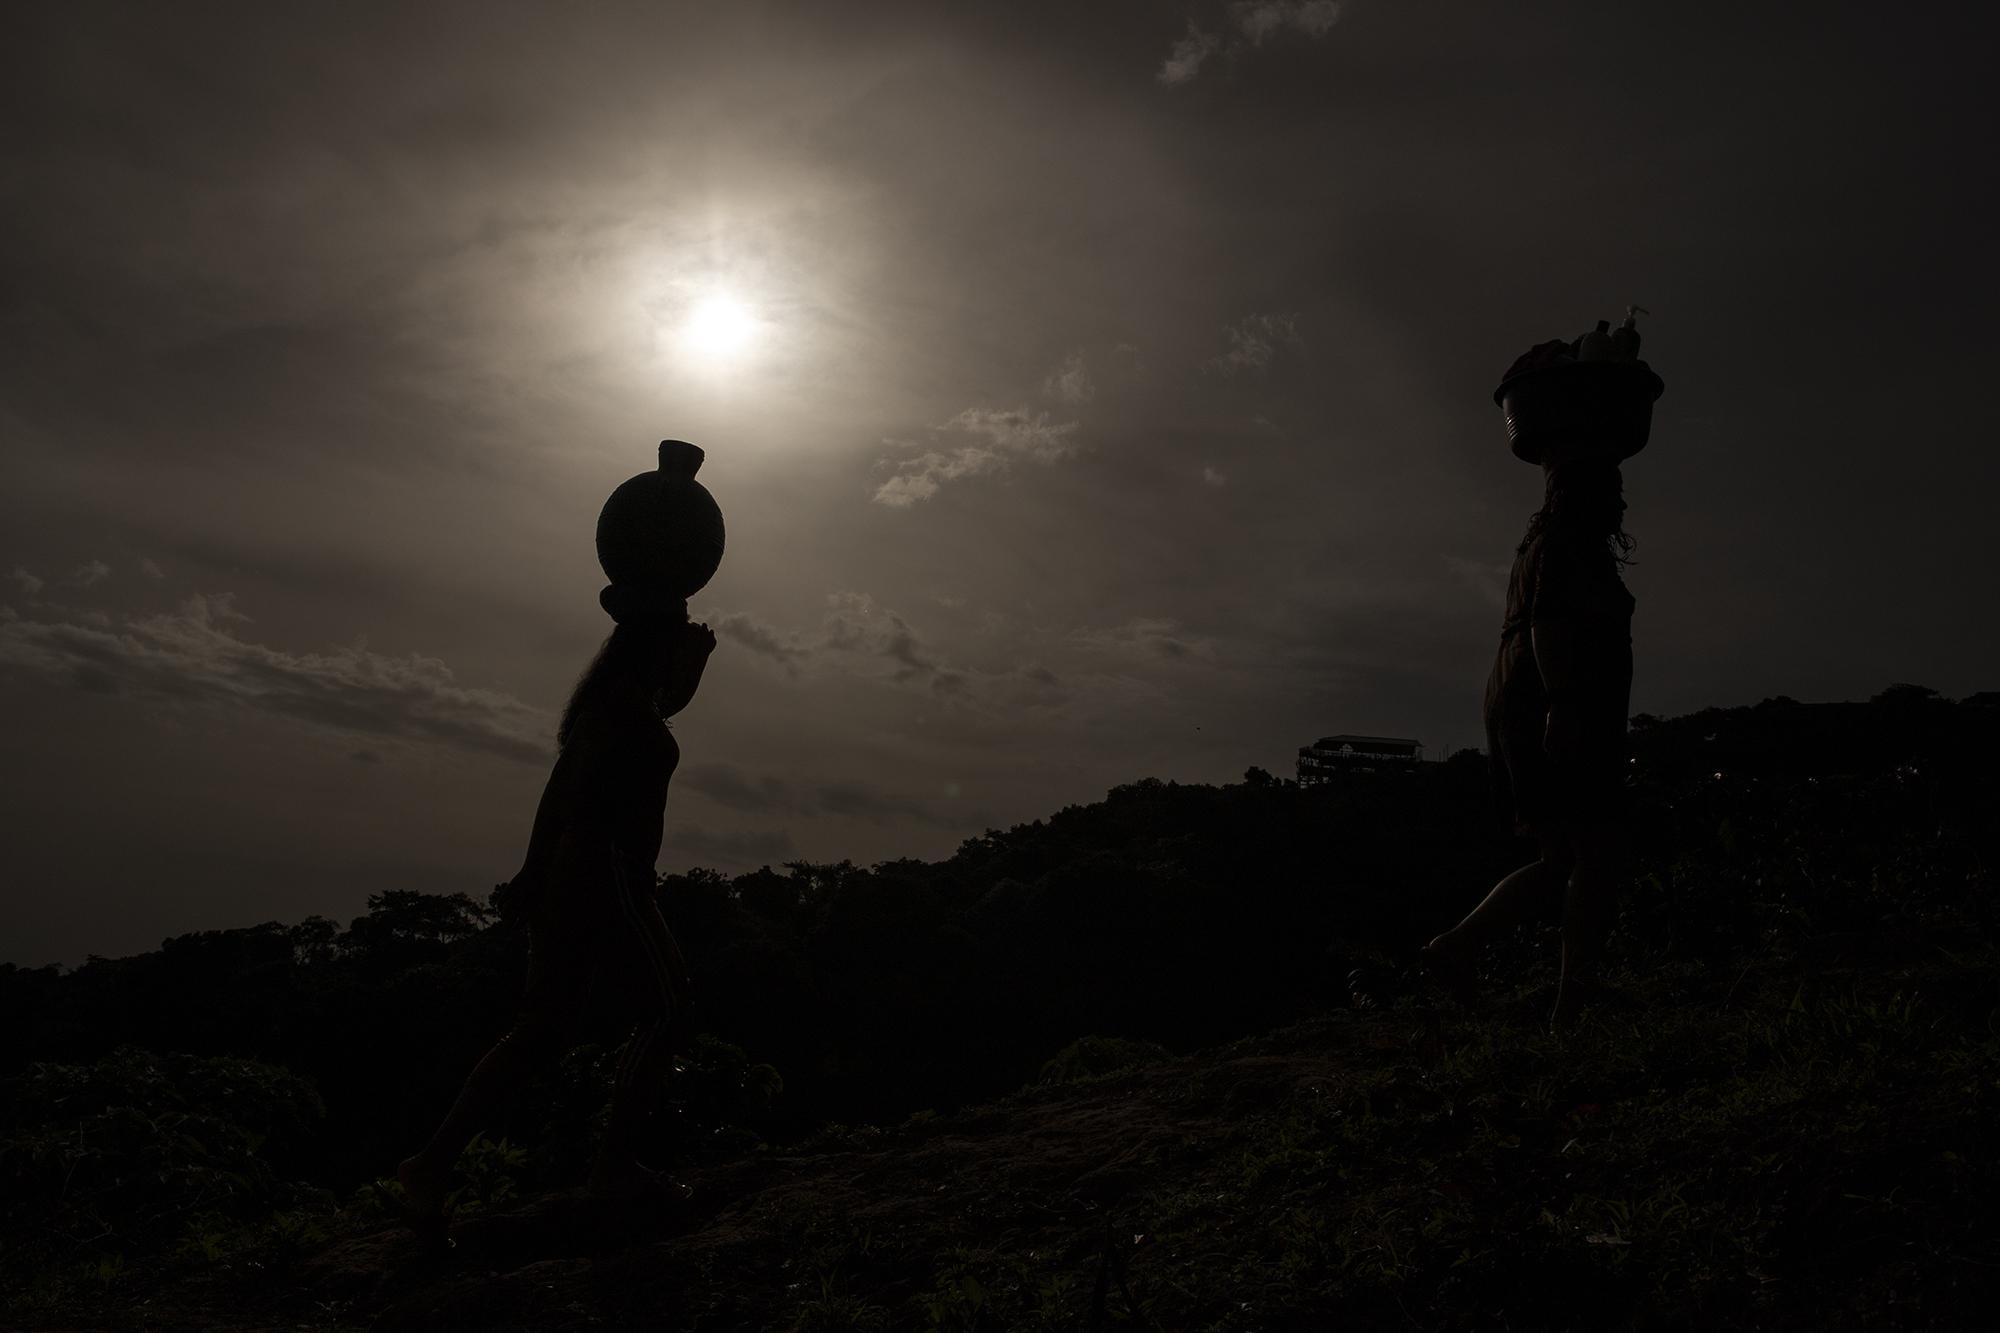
(31, 586)
(857, 625)
(193, 656)
(1151, 637)
(977, 440)
(1254, 343)
(776, 797)
(1245, 26)
(1214, 477)
(861, 637)
(1186, 58)
(860, 801)
(1487, 579)
(89, 573)
(151, 570)
(1259, 19)
(1035, 686)
(729, 786)
(1070, 382)
(854, 626)
(759, 638)
(747, 848)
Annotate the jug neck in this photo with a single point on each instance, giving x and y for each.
(680, 460)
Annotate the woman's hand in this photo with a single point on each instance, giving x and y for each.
(693, 645)
(686, 655)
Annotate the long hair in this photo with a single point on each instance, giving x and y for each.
(619, 658)
(1587, 497)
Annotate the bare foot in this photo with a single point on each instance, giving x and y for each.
(1447, 961)
(424, 1193)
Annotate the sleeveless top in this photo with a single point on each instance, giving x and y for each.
(1566, 576)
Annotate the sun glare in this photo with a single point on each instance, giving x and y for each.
(718, 329)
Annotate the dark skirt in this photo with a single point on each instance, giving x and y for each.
(1533, 791)
(600, 959)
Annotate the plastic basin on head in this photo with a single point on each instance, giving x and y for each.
(1581, 409)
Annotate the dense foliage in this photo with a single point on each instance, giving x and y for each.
(225, 1090)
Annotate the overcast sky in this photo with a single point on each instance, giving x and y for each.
(1107, 396)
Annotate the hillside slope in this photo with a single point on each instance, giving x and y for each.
(1798, 1146)
(1781, 1118)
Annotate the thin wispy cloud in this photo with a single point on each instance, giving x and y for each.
(862, 638)
(31, 587)
(1188, 55)
(855, 627)
(729, 849)
(768, 795)
(1147, 637)
(1244, 26)
(760, 639)
(1255, 342)
(89, 574)
(1486, 578)
(1070, 382)
(869, 638)
(1258, 20)
(196, 656)
(858, 625)
(1214, 477)
(976, 442)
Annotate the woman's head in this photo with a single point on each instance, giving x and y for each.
(642, 605)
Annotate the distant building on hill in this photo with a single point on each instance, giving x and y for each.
(1332, 757)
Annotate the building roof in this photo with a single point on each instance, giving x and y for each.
(1335, 742)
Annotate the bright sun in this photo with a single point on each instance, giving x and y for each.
(718, 329)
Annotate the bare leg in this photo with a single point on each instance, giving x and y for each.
(643, 1069)
(1519, 897)
(641, 1076)
(513, 1060)
(1590, 906)
(528, 1047)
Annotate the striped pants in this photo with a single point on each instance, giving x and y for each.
(587, 962)
(661, 989)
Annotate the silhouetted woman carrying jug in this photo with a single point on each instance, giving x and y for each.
(1560, 689)
(598, 946)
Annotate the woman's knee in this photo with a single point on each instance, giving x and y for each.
(1558, 855)
(538, 1032)
(1601, 849)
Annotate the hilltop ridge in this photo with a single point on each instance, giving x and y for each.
(1253, 1118)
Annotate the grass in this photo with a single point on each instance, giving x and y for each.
(1787, 1126)
(1782, 1146)
(1761, 1159)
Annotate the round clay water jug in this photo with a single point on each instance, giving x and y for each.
(662, 529)
(1579, 409)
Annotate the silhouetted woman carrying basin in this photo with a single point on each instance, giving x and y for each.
(1560, 689)
(598, 946)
